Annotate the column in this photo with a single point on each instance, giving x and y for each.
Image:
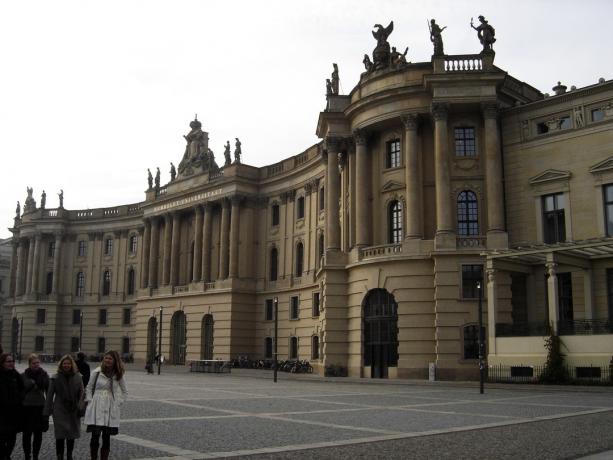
(175, 249)
(552, 292)
(19, 288)
(167, 249)
(197, 262)
(490, 274)
(206, 242)
(363, 219)
(144, 278)
(153, 252)
(333, 193)
(13, 269)
(224, 239)
(412, 177)
(29, 266)
(57, 257)
(36, 265)
(588, 292)
(234, 236)
(493, 176)
(444, 216)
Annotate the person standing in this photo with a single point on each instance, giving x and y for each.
(11, 410)
(36, 384)
(83, 368)
(63, 400)
(105, 394)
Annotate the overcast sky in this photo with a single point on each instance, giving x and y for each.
(94, 93)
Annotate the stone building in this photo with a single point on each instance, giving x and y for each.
(374, 241)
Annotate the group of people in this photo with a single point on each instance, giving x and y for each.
(27, 401)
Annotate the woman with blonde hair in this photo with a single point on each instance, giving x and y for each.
(63, 400)
(36, 384)
(105, 393)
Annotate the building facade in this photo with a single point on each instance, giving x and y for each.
(430, 178)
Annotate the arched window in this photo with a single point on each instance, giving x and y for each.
(268, 348)
(133, 244)
(315, 347)
(293, 348)
(299, 259)
(468, 216)
(106, 283)
(80, 288)
(131, 281)
(274, 262)
(394, 219)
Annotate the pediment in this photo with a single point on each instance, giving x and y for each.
(392, 185)
(604, 165)
(550, 175)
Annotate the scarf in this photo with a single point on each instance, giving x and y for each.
(39, 376)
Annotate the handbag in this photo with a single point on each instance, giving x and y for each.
(83, 404)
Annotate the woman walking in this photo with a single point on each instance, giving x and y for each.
(105, 393)
(63, 400)
(11, 410)
(36, 384)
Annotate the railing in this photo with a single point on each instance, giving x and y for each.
(134, 209)
(51, 213)
(161, 191)
(210, 285)
(102, 213)
(523, 329)
(215, 175)
(383, 250)
(299, 159)
(84, 214)
(470, 242)
(587, 375)
(110, 212)
(183, 288)
(464, 63)
(273, 170)
(585, 327)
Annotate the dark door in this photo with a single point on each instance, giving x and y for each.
(380, 332)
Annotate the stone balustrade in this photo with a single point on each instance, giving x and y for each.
(471, 242)
(384, 250)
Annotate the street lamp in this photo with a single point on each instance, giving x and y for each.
(275, 302)
(481, 338)
(160, 343)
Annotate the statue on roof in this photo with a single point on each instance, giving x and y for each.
(397, 59)
(381, 54)
(149, 179)
(43, 200)
(18, 211)
(334, 81)
(30, 204)
(61, 197)
(173, 172)
(196, 150)
(367, 63)
(226, 154)
(486, 33)
(157, 179)
(436, 37)
(237, 151)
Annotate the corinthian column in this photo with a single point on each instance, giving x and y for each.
(174, 258)
(28, 283)
(224, 237)
(20, 268)
(363, 219)
(154, 252)
(206, 242)
(146, 248)
(36, 265)
(197, 262)
(234, 236)
(167, 249)
(13, 268)
(333, 193)
(445, 236)
(57, 258)
(411, 174)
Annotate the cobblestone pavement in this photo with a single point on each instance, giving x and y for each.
(178, 416)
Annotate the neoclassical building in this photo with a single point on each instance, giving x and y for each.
(430, 178)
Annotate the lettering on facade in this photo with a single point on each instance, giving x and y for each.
(190, 199)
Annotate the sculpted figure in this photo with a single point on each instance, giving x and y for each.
(30, 203)
(30, 192)
(486, 33)
(18, 210)
(226, 154)
(334, 79)
(61, 197)
(149, 179)
(157, 179)
(578, 114)
(367, 63)
(398, 60)
(328, 87)
(436, 37)
(382, 33)
(43, 200)
(237, 151)
(173, 172)
(381, 54)
(195, 140)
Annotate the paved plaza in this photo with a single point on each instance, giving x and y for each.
(179, 415)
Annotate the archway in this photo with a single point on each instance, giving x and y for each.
(152, 333)
(178, 338)
(380, 332)
(206, 349)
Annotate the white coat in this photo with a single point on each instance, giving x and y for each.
(103, 408)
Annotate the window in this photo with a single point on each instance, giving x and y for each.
(316, 304)
(300, 208)
(465, 145)
(1, 288)
(394, 218)
(294, 307)
(565, 122)
(392, 157)
(102, 317)
(127, 316)
(471, 275)
(275, 215)
(80, 290)
(269, 310)
(39, 343)
(299, 259)
(315, 347)
(553, 218)
(74, 344)
(322, 199)
(76, 316)
(597, 115)
(133, 244)
(49, 283)
(608, 208)
(101, 344)
(41, 314)
(274, 261)
(268, 348)
(125, 345)
(82, 248)
(468, 215)
(321, 247)
(108, 246)
(293, 348)
(51, 249)
(610, 294)
(106, 283)
(471, 341)
(131, 281)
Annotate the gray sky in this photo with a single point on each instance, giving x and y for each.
(94, 93)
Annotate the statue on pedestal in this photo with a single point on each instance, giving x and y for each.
(334, 80)
(381, 54)
(43, 200)
(328, 87)
(61, 197)
(18, 211)
(486, 33)
(237, 151)
(226, 154)
(436, 37)
(149, 179)
(397, 59)
(30, 204)
(157, 179)
(173, 172)
(196, 150)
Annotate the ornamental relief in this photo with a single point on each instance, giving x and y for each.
(466, 164)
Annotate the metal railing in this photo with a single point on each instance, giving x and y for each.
(585, 327)
(522, 329)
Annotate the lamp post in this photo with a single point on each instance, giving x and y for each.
(20, 338)
(275, 302)
(481, 338)
(80, 331)
(160, 343)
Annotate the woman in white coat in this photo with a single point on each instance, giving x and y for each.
(106, 391)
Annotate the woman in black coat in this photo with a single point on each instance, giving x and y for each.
(36, 384)
(11, 410)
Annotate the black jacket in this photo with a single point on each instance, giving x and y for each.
(84, 371)
(11, 397)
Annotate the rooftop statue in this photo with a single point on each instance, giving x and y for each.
(367, 63)
(381, 54)
(157, 179)
(173, 172)
(334, 80)
(226, 154)
(486, 33)
(149, 179)
(328, 87)
(436, 37)
(397, 59)
(196, 150)
(30, 204)
(61, 197)
(17, 211)
(237, 151)
(43, 200)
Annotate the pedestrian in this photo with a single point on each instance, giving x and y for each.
(105, 394)
(36, 384)
(64, 398)
(11, 410)
(83, 368)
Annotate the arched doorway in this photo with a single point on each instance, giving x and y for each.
(206, 348)
(380, 332)
(14, 335)
(178, 338)
(152, 333)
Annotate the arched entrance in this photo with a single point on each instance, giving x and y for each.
(380, 332)
(14, 335)
(206, 348)
(152, 333)
(178, 338)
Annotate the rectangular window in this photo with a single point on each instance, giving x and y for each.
(269, 312)
(597, 115)
(101, 344)
(300, 208)
(294, 307)
(471, 275)
(608, 208)
(315, 347)
(322, 199)
(125, 345)
(74, 344)
(392, 157)
(41, 314)
(554, 226)
(39, 343)
(465, 145)
(133, 244)
(76, 316)
(316, 304)
(565, 122)
(51, 249)
(102, 317)
(82, 248)
(275, 215)
(127, 316)
(108, 247)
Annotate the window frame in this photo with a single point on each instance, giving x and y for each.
(108, 246)
(300, 207)
(465, 145)
(76, 314)
(81, 248)
(125, 350)
(133, 244)
(51, 250)
(299, 262)
(273, 272)
(469, 280)
(470, 342)
(315, 347)
(294, 344)
(316, 305)
(106, 283)
(557, 232)
(269, 310)
(275, 215)
(39, 343)
(101, 345)
(467, 213)
(103, 317)
(294, 308)
(269, 340)
(131, 287)
(126, 314)
(75, 346)
(395, 222)
(393, 153)
(41, 316)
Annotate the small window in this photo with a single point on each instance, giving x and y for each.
(76, 317)
(125, 345)
(542, 128)
(608, 208)
(269, 310)
(106, 283)
(471, 275)
(127, 316)
(39, 343)
(74, 344)
(274, 262)
(108, 246)
(49, 283)
(82, 248)
(101, 345)
(394, 218)
(322, 199)
(294, 310)
(468, 215)
(102, 317)
(321, 246)
(465, 145)
(80, 289)
(392, 157)
(41, 316)
(51, 249)
(275, 215)
(597, 115)
(315, 347)
(554, 225)
(299, 260)
(131, 281)
(268, 348)
(300, 208)
(316, 304)
(565, 122)
(471, 341)
(133, 244)
(293, 348)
